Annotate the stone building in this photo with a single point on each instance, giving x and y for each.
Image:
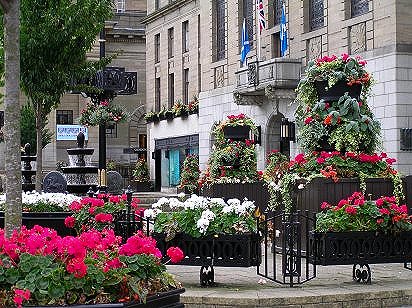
(193, 48)
(125, 35)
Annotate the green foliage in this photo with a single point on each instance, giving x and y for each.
(141, 171)
(190, 173)
(104, 113)
(28, 129)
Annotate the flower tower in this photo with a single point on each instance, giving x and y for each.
(332, 112)
(233, 159)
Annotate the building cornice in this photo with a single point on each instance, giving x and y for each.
(164, 10)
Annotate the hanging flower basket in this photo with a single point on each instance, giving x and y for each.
(334, 92)
(104, 113)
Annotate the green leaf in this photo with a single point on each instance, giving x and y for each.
(56, 290)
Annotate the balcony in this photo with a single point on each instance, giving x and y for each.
(261, 82)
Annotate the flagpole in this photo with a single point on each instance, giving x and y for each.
(257, 31)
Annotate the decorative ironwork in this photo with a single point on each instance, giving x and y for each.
(252, 73)
(361, 273)
(220, 30)
(286, 235)
(316, 14)
(359, 7)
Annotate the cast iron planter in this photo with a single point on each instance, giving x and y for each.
(240, 133)
(53, 220)
(337, 90)
(169, 299)
(324, 189)
(257, 192)
(360, 247)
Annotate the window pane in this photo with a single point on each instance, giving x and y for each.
(277, 7)
(157, 94)
(248, 13)
(359, 7)
(185, 36)
(171, 90)
(220, 30)
(276, 45)
(316, 14)
(157, 48)
(64, 116)
(171, 43)
(186, 86)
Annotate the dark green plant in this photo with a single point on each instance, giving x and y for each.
(28, 129)
(190, 173)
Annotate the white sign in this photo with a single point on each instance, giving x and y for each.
(70, 132)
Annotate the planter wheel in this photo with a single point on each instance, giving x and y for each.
(207, 276)
(361, 273)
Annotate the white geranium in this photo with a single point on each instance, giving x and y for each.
(203, 224)
(218, 201)
(152, 213)
(181, 195)
(175, 203)
(162, 201)
(227, 209)
(59, 199)
(208, 214)
(233, 202)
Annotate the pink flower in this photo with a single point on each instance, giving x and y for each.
(69, 222)
(379, 221)
(308, 120)
(325, 205)
(390, 161)
(351, 210)
(384, 211)
(77, 267)
(175, 254)
(104, 218)
(20, 295)
(75, 206)
(320, 160)
(345, 57)
(300, 158)
(342, 203)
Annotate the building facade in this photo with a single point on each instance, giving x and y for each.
(193, 48)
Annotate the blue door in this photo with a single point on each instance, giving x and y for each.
(174, 167)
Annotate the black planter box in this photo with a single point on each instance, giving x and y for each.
(324, 189)
(359, 247)
(169, 299)
(237, 250)
(141, 186)
(53, 220)
(337, 90)
(257, 192)
(237, 133)
(169, 115)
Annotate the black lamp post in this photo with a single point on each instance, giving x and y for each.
(111, 81)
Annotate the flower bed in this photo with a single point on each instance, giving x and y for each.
(42, 268)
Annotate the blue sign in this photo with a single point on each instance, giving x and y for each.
(70, 132)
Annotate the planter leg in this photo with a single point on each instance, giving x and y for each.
(361, 274)
(207, 276)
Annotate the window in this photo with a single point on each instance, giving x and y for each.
(186, 86)
(315, 14)
(171, 90)
(120, 6)
(1, 118)
(64, 116)
(157, 47)
(277, 9)
(276, 45)
(157, 94)
(185, 36)
(199, 78)
(157, 4)
(111, 131)
(220, 29)
(170, 43)
(248, 13)
(359, 7)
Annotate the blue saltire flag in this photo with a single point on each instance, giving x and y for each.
(245, 43)
(283, 33)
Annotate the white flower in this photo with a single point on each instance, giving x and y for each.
(233, 202)
(175, 203)
(227, 209)
(151, 213)
(301, 186)
(218, 201)
(181, 195)
(203, 224)
(208, 214)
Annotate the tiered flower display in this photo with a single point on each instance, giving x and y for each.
(357, 214)
(232, 161)
(38, 268)
(345, 122)
(104, 113)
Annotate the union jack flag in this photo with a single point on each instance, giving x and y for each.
(261, 12)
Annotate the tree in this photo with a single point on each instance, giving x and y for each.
(11, 70)
(55, 36)
(28, 128)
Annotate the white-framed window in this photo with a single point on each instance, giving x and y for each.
(120, 6)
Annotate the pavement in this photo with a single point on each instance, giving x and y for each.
(391, 286)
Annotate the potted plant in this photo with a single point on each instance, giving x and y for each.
(193, 105)
(210, 231)
(104, 113)
(44, 209)
(360, 231)
(180, 109)
(149, 116)
(331, 115)
(169, 114)
(141, 177)
(92, 269)
(190, 175)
